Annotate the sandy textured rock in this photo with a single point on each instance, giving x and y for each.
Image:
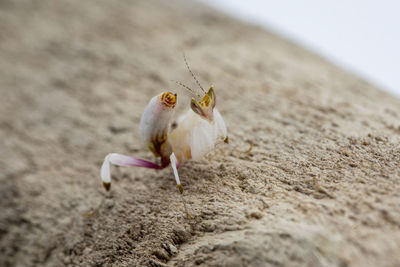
(319, 188)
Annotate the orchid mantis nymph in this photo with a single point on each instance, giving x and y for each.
(195, 134)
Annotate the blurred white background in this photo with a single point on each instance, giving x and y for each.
(363, 36)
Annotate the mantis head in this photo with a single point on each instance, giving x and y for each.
(205, 107)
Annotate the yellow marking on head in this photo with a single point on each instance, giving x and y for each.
(208, 98)
(206, 101)
(205, 107)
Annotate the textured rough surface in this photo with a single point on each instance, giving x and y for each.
(321, 186)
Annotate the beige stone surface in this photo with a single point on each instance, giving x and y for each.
(321, 186)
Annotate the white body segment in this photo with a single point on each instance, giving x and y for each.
(195, 136)
(105, 172)
(174, 163)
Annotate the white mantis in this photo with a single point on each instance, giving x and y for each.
(192, 136)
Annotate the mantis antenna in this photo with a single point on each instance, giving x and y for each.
(187, 88)
(191, 72)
